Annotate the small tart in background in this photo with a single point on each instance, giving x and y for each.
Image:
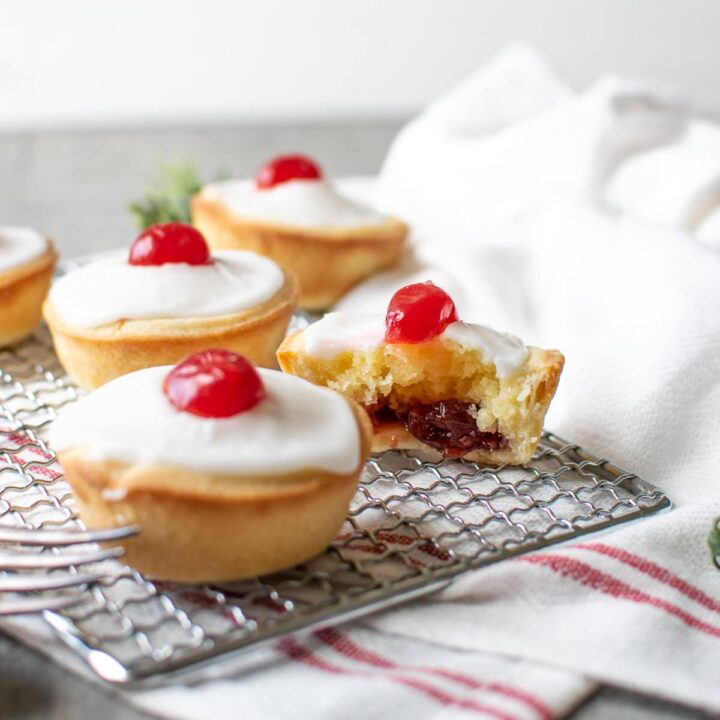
(291, 214)
(229, 472)
(169, 298)
(27, 261)
(429, 381)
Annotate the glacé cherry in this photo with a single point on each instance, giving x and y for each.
(214, 384)
(417, 313)
(172, 242)
(284, 168)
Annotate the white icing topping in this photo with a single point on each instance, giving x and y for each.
(19, 245)
(111, 289)
(298, 426)
(507, 352)
(304, 203)
(339, 332)
(346, 332)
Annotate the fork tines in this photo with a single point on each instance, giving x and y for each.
(16, 559)
(57, 538)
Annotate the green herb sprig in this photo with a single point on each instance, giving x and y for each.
(168, 200)
(713, 541)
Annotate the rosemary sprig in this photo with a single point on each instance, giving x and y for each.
(169, 199)
(713, 541)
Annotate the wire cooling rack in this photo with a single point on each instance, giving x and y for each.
(413, 525)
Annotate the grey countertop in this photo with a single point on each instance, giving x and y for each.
(75, 187)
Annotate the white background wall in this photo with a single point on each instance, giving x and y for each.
(140, 62)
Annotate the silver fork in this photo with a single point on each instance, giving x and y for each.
(17, 560)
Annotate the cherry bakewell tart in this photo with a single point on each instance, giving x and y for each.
(229, 472)
(170, 297)
(27, 261)
(291, 214)
(429, 381)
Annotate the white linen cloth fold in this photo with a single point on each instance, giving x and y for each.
(584, 222)
(574, 227)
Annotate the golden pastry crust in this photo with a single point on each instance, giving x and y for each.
(400, 376)
(93, 356)
(206, 527)
(328, 261)
(22, 291)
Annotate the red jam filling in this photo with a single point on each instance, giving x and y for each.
(285, 168)
(446, 425)
(417, 313)
(171, 242)
(214, 384)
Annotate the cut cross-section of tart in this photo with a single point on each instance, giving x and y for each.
(430, 381)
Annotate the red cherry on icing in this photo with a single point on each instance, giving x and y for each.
(287, 167)
(214, 384)
(418, 312)
(171, 242)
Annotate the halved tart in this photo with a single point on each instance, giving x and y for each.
(429, 381)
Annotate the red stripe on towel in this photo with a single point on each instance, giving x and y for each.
(590, 577)
(298, 653)
(345, 646)
(655, 571)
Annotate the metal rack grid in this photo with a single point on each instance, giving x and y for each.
(413, 525)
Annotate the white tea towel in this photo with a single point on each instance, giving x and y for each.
(574, 228)
(709, 230)
(352, 672)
